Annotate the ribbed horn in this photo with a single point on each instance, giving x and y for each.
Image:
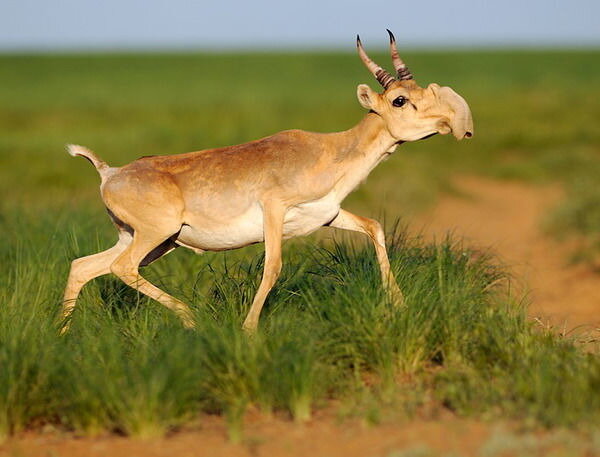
(384, 78)
(402, 71)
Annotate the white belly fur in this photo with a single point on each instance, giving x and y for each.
(307, 217)
(247, 229)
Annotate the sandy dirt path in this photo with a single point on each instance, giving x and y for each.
(507, 218)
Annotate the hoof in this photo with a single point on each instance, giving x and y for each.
(249, 328)
(396, 297)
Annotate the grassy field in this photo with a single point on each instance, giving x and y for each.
(535, 116)
(462, 342)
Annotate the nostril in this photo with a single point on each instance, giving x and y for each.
(468, 134)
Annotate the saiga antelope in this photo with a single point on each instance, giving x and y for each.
(285, 185)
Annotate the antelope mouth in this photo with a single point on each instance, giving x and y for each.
(428, 136)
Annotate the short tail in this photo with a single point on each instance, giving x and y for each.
(101, 165)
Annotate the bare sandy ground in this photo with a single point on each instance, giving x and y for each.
(269, 437)
(503, 216)
(507, 218)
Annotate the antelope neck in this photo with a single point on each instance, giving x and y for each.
(368, 139)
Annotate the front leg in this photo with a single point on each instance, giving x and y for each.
(348, 221)
(273, 214)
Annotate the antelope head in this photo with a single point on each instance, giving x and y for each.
(409, 111)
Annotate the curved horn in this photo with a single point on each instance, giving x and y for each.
(402, 71)
(384, 78)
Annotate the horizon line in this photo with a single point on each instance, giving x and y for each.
(293, 48)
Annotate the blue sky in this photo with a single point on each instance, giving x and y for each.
(110, 24)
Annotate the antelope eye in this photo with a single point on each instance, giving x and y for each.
(399, 101)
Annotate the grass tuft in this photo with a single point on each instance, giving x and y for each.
(328, 333)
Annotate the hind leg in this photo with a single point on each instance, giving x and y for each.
(84, 269)
(126, 266)
(150, 202)
(87, 268)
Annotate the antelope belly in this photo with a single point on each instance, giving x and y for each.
(247, 229)
(307, 217)
(220, 236)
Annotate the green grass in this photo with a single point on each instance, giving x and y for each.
(535, 116)
(461, 342)
(127, 365)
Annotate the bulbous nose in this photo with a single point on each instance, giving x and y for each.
(461, 120)
(460, 132)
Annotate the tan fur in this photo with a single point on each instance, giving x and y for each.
(279, 187)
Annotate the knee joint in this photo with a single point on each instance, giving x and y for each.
(121, 270)
(76, 264)
(375, 231)
(272, 272)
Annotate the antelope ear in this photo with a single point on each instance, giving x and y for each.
(366, 96)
